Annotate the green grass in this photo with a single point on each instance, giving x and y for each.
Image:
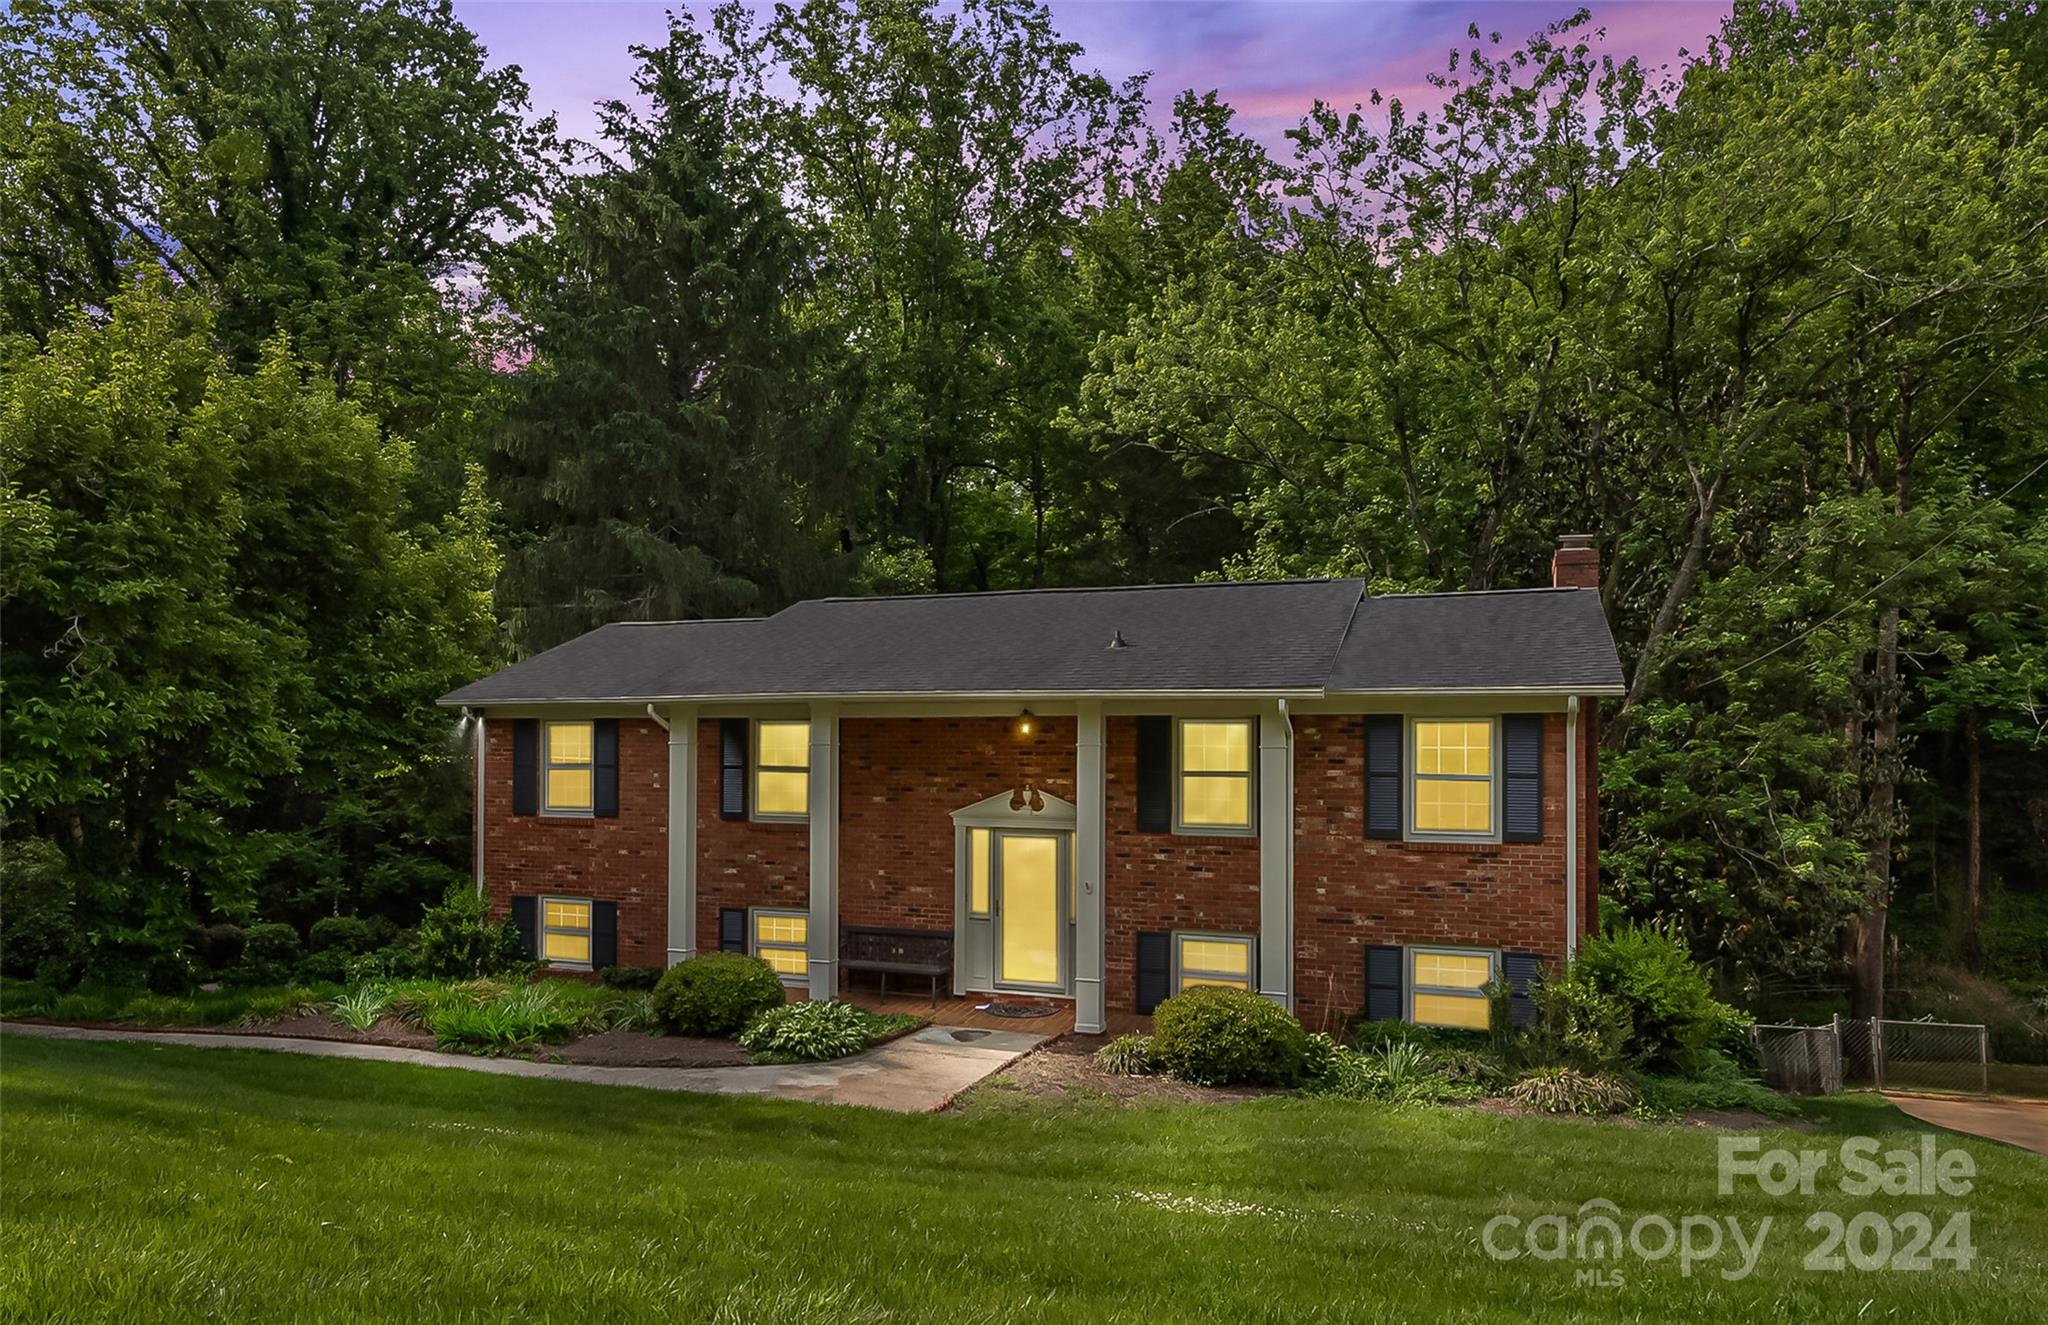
(151, 1183)
(232, 1006)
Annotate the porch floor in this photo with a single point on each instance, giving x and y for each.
(961, 1010)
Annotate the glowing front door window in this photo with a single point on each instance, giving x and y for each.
(1030, 880)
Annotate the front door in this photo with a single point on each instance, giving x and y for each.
(1030, 911)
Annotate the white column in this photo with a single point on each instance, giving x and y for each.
(1089, 839)
(824, 811)
(1276, 854)
(682, 832)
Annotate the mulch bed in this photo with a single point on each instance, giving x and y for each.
(1065, 1068)
(634, 1049)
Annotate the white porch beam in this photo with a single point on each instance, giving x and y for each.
(682, 832)
(1276, 853)
(824, 814)
(1090, 835)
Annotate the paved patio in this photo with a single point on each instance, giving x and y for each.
(918, 1073)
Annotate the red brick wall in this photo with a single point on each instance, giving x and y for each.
(901, 779)
(741, 862)
(1351, 891)
(1163, 881)
(623, 860)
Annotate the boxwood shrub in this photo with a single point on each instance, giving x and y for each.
(1214, 1036)
(716, 994)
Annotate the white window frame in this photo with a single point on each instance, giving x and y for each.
(1409, 989)
(589, 932)
(547, 764)
(1251, 966)
(1250, 828)
(757, 768)
(755, 914)
(1413, 777)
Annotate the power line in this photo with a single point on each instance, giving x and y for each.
(1924, 553)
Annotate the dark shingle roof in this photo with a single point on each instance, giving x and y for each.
(1285, 636)
(1517, 639)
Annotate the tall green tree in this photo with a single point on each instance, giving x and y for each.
(675, 446)
(224, 637)
(341, 172)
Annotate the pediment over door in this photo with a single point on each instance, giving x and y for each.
(995, 812)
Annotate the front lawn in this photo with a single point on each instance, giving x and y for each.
(145, 1183)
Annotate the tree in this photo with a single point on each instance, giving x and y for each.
(672, 450)
(339, 172)
(224, 642)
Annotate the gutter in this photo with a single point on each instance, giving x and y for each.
(476, 761)
(1571, 827)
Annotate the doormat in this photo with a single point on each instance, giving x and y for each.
(1020, 1011)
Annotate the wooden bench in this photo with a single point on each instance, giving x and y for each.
(888, 952)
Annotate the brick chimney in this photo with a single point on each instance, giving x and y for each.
(1576, 563)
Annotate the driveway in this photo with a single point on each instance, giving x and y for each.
(918, 1073)
(2022, 1123)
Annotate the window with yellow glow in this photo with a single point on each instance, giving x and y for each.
(565, 768)
(782, 939)
(1216, 774)
(1447, 987)
(1454, 780)
(978, 870)
(1212, 959)
(782, 770)
(565, 931)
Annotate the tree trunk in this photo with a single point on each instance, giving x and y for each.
(1973, 866)
(1708, 497)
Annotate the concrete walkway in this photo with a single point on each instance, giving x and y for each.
(2019, 1123)
(918, 1073)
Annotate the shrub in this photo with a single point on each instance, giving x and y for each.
(25, 998)
(631, 1010)
(218, 947)
(270, 956)
(457, 939)
(716, 994)
(36, 903)
(347, 934)
(809, 1032)
(1128, 1055)
(630, 977)
(275, 1005)
(1370, 1036)
(1674, 1018)
(1568, 1090)
(1576, 1026)
(1213, 1036)
(530, 1014)
(360, 1008)
(1717, 1083)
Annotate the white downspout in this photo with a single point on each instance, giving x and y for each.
(1571, 827)
(655, 714)
(477, 775)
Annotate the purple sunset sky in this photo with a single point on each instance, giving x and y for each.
(1267, 59)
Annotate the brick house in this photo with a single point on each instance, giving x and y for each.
(1343, 801)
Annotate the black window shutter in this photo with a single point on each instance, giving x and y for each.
(732, 768)
(526, 766)
(524, 916)
(604, 768)
(1521, 740)
(1155, 966)
(1383, 775)
(1383, 982)
(1521, 970)
(732, 929)
(604, 935)
(1155, 775)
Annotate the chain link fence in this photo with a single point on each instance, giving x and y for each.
(1885, 1055)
